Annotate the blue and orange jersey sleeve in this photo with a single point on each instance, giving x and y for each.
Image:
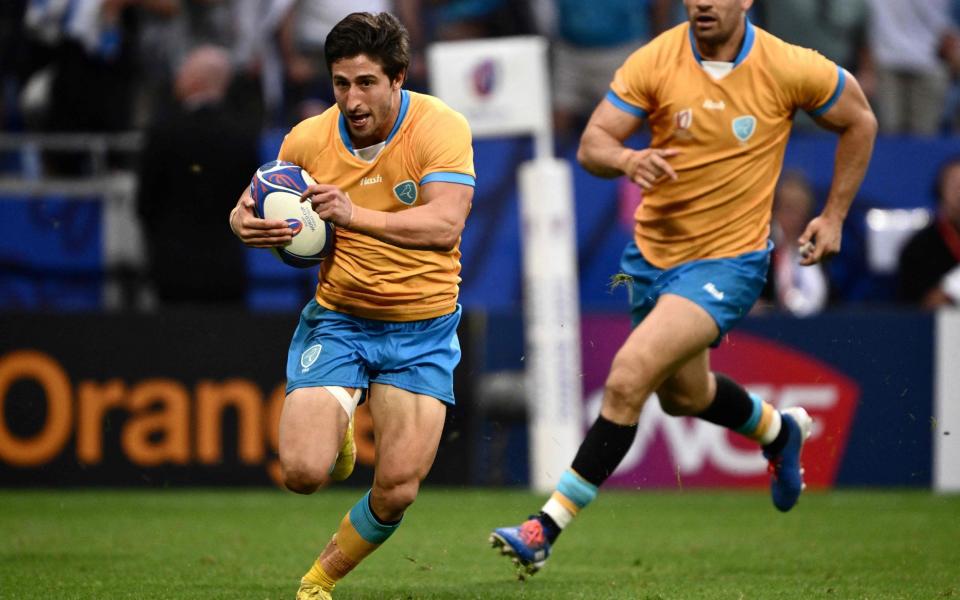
(445, 150)
(813, 83)
(632, 90)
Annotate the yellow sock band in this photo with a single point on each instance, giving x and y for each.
(317, 576)
(350, 541)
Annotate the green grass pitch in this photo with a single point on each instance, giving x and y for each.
(255, 544)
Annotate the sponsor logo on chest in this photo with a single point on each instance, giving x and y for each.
(371, 180)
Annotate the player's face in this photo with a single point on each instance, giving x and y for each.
(367, 98)
(950, 202)
(713, 22)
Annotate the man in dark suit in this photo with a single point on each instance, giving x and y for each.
(196, 160)
(929, 273)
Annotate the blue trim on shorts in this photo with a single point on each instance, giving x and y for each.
(367, 525)
(755, 416)
(579, 492)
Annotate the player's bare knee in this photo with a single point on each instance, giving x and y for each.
(625, 390)
(398, 494)
(301, 478)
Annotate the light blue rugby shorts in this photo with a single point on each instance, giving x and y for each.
(724, 287)
(330, 348)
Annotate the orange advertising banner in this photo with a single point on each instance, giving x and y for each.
(166, 399)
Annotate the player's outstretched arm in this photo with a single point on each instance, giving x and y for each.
(853, 119)
(602, 151)
(254, 231)
(434, 224)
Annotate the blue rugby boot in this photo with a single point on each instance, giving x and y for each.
(786, 472)
(526, 544)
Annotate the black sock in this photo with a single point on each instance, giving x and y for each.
(550, 527)
(776, 446)
(604, 446)
(377, 518)
(731, 407)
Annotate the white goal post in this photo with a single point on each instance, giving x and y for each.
(501, 86)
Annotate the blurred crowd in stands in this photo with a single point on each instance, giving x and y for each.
(243, 66)
(112, 62)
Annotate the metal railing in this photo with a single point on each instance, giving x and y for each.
(123, 249)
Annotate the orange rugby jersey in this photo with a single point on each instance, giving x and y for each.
(366, 277)
(732, 133)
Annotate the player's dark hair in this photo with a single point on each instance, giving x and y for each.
(381, 37)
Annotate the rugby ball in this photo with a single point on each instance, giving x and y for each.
(276, 189)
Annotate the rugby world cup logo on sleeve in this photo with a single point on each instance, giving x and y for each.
(744, 126)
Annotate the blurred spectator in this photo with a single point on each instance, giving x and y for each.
(257, 33)
(472, 19)
(799, 290)
(303, 35)
(89, 82)
(195, 164)
(158, 51)
(911, 43)
(11, 48)
(590, 41)
(929, 271)
(834, 29)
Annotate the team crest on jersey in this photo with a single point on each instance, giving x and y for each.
(744, 126)
(310, 356)
(406, 192)
(684, 118)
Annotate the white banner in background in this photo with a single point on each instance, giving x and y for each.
(500, 85)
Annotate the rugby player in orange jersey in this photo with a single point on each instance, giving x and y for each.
(395, 175)
(719, 95)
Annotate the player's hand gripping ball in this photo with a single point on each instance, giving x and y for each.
(276, 189)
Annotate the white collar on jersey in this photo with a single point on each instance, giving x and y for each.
(370, 152)
(345, 134)
(717, 69)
